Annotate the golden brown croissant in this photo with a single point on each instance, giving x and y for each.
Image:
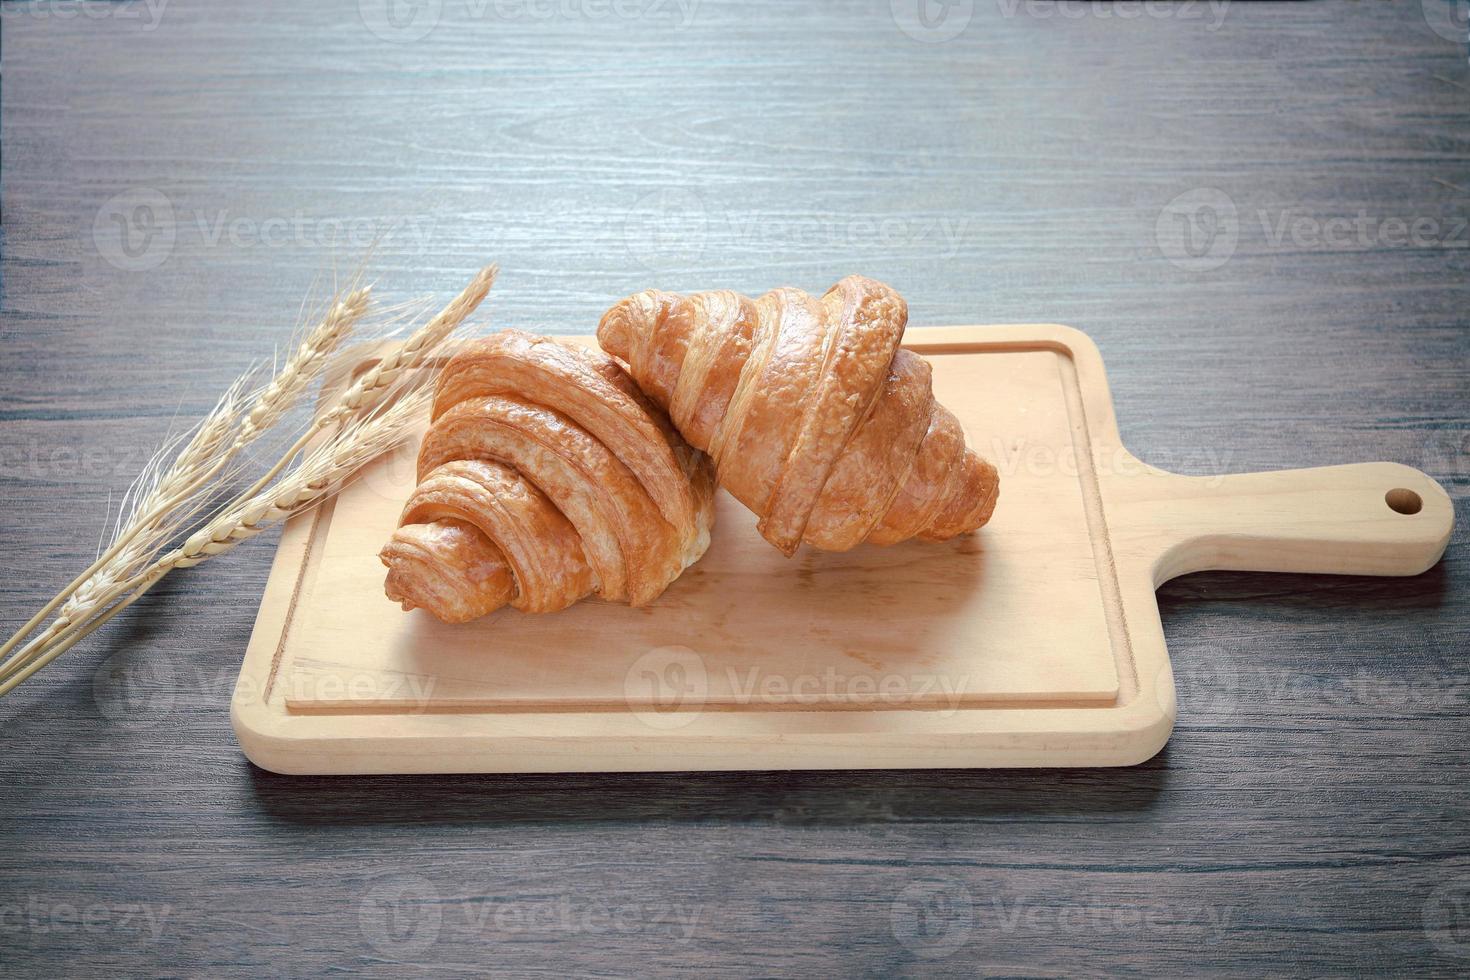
(815, 417)
(545, 476)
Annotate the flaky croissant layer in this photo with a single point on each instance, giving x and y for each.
(545, 476)
(817, 420)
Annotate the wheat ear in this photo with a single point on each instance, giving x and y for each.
(218, 438)
(364, 430)
(369, 389)
(320, 475)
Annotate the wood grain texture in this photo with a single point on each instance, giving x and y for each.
(1311, 812)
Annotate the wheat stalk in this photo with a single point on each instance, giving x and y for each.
(218, 438)
(315, 479)
(383, 375)
(368, 390)
(371, 415)
(304, 366)
(135, 538)
(319, 476)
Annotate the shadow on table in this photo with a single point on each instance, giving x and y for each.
(851, 797)
(1302, 598)
(826, 798)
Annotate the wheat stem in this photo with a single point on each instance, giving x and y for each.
(201, 460)
(372, 415)
(368, 390)
(316, 478)
(157, 510)
(76, 635)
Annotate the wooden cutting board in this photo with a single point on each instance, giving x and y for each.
(1035, 642)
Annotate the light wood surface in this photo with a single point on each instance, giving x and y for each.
(1034, 642)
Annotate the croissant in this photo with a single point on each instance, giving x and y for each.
(817, 420)
(545, 476)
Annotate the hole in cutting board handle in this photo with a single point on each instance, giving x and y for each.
(1404, 500)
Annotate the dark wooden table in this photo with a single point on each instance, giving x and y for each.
(1257, 209)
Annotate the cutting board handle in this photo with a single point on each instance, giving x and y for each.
(1361, 519)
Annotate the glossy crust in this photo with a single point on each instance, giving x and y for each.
(817, 420)
(546, 476)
